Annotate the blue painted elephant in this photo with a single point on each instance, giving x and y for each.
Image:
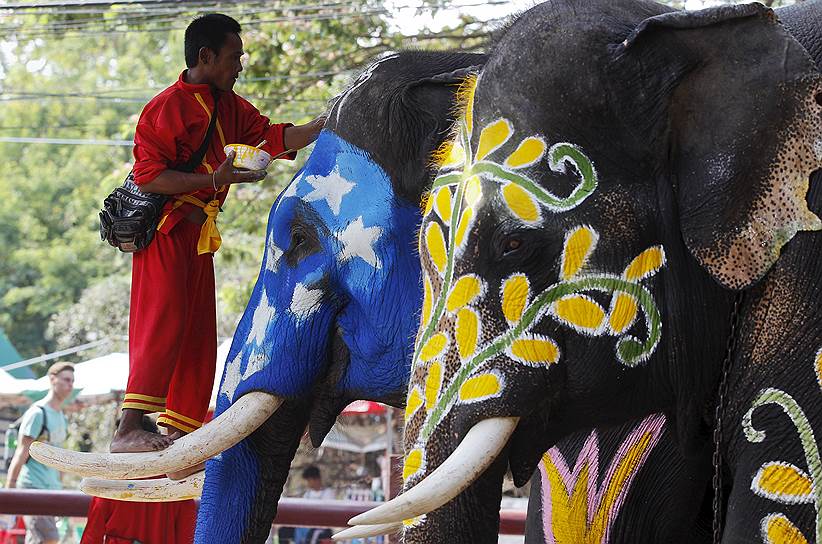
(331, 316)
(625, 225)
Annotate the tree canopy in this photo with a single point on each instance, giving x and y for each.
(81, 73)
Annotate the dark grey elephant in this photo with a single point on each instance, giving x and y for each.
(628, 195)
(406, 97)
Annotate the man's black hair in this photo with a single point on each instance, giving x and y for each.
(311, 472)
(207, 31)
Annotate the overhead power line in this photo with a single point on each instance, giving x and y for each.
(64, 141)
(285, 19)
(41, 5)
(152, 7)
(17, 96)
(95, 26)
(165, 16)
(54, 127)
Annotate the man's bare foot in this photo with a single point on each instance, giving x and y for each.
(138, 440)
(132, 437)
(186, 472)
(174, 434)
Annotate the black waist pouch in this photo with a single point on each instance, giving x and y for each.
(129, 216)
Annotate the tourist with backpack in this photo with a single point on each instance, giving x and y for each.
(43, 421)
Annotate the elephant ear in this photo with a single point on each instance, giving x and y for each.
(419, 121)
(742, 123)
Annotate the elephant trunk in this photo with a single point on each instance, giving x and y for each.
(244, 483)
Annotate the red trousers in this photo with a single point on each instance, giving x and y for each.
(147, 522)
(172, 329)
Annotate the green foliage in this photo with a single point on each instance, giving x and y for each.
(100, 312)
(86, 74)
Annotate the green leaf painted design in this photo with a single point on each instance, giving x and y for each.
(631, 351)
(806, 437)
(559, 155)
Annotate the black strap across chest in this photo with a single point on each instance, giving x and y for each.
(195, 159)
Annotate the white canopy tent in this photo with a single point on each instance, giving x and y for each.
(95, 377)
(9, 385)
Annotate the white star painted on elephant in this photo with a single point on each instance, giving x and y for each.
(305, 301)
(259, 322)
(272, 255)
(257, 362)
(291, 190)
(232, 377)
(331, 188)
(358, 241)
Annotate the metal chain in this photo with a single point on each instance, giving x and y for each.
(720, 405)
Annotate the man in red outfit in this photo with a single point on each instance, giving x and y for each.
(172, 321)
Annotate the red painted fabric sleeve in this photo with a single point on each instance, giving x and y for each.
(158, 136)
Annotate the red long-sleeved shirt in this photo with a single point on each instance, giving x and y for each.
(174, 123)
(147, 522)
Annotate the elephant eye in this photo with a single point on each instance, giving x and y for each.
(304, 240)
(297, 238)
(511, 246)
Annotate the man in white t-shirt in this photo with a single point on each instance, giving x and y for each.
(44, 421)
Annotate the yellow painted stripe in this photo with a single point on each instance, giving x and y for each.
(145, 407)
(147, 398)
(184, 419)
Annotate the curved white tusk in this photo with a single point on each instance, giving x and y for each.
(158, 490)
(365, 531)
(481, 445)
(240, 420)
